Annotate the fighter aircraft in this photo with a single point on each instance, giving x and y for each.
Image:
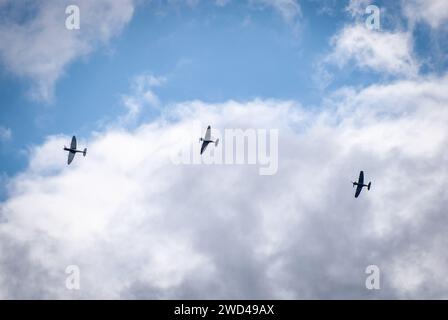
(205, 141)
(360, 184)
(72, 150)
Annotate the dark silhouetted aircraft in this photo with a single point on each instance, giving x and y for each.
(72, 150)
(205, 141)
(360, 184)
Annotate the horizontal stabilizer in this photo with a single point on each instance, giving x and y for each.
(84, 152)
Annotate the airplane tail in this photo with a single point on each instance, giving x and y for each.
(353, 184)
(368, 186)
(216, 142)
(200, 139)
(84, 152)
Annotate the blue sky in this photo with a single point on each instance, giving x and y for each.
(207, 52)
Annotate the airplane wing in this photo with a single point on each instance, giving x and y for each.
(71, 155)
(73, 143)
(358, 190)
(204, 146)
(208, 134)
(361, 178)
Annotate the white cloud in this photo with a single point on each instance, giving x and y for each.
(386, 52)
(5, 134)
(142, 94)
(40, 47)
(434, 12)
(357, 8)
(289, 9)
(140, 226)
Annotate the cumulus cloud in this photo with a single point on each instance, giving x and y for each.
(389, 53)
(357, 8)
(139, 226)
(36, 44)
(142, 94)
(434, 12)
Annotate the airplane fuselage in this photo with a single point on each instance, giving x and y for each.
(359, 184)
(73, 150)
